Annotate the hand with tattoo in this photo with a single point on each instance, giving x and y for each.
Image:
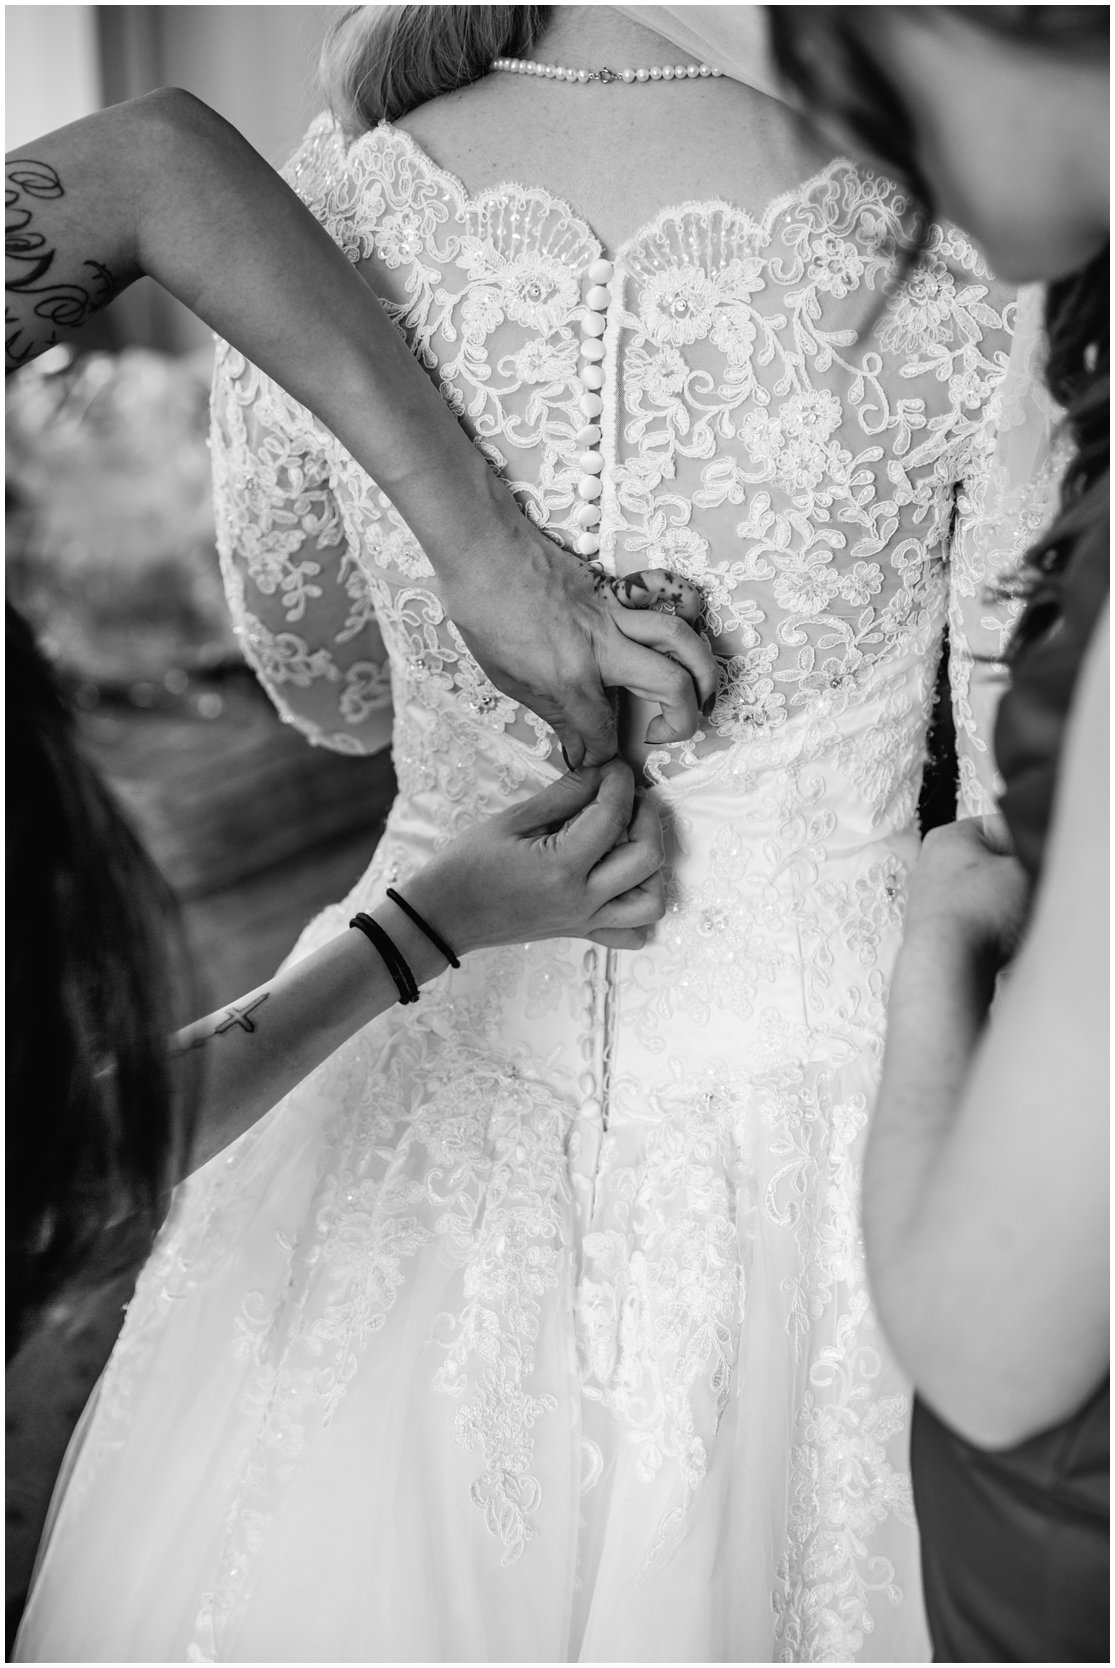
(557, 634)
(658, 588)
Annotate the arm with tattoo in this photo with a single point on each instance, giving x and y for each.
(48, 293)
(581, 859)
(162, 185)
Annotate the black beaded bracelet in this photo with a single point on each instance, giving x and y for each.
(435, 939)
(393, 958)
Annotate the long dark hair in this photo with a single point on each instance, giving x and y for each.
(379, 62)
(96, 981)
(824, 53)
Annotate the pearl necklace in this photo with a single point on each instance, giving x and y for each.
(605, 76)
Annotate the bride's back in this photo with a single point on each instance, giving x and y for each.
(657, 309)
(617, 154)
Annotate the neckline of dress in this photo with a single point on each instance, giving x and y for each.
(478, 200)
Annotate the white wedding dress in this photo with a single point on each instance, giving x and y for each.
(533, 1325)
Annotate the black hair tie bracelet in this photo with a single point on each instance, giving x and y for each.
(393, 958)
(424, 926)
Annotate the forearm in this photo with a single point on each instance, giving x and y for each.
(230, 238)
(250, 1054)
(984, 1187)
(939, 998)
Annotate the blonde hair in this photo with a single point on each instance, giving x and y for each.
(379, 62)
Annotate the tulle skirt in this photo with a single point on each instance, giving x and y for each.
(532, 1326)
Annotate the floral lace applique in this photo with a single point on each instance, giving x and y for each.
(844, 1487)
(660, 1297)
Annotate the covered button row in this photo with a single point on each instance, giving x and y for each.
(591, 464)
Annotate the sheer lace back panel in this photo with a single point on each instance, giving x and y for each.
(811, 475)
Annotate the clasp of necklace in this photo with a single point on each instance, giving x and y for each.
(605, 76)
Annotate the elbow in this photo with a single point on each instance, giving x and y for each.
(173, 106)
(992, 1423)
(973, 1392)
(996, 1411)
(997, 1423)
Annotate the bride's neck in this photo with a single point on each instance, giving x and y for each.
(586, 37)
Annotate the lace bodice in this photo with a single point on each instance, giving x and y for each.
(816, 479)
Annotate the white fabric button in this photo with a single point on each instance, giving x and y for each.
(591, 462)
(592, 376)
(589, 487)
(600, 272)
(599, 298)
(588, 544)
(591, 404)
(591, 1108)
(591, 349)
(588, 436)
(593, 324)
(587, 515)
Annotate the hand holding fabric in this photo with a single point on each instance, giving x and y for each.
(581, 859)
(557, 634)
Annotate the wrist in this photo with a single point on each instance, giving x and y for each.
(488, 547)
(426, 958)
(460, 898)
(405, 941)
(462, 514)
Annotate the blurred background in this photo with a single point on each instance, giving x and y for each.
(256, 65)
(111, 553)
(109, 519)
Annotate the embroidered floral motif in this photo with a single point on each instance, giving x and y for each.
(844, 1488)
(511, 1240)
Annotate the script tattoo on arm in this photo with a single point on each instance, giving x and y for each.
(58, 304)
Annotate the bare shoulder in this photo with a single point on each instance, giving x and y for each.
(669, 144)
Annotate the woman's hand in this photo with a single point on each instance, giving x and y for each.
(581, 859)
(556, 634)
(969, 887)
